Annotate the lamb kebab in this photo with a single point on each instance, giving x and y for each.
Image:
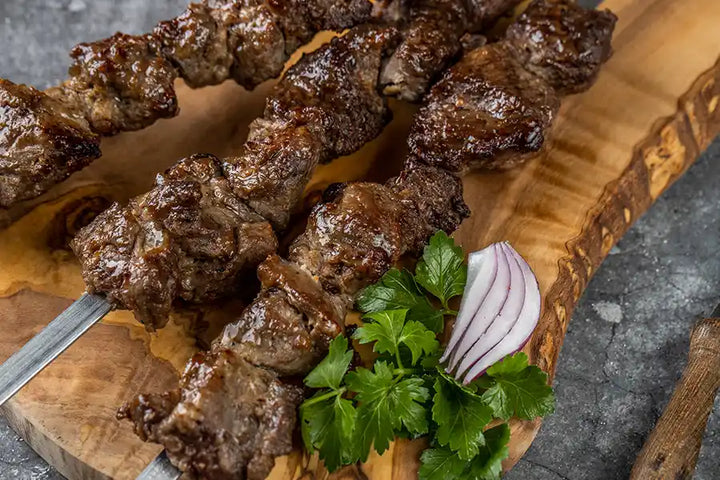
(125, 82)
(235, 408)
(207, 221)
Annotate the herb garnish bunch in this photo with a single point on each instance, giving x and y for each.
(407, 393)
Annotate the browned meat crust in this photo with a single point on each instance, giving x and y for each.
(350, 241)
(189, 239)
(119, 84)
(494, 108)
(487, 111)
(290, 324)
(45, 142)
(432, 39)
(248, 40)
(125, 82)
(563, 43)
(242, 415)
(327, 105)
(205, 222)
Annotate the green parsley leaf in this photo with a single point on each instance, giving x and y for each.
(444, 464)
(470, 388)
(440, 464)
(509, 365)
(432, 361)
(397, 290)
(386, 406)
(374, 428)
(339, 438)
(320, 420)
(487, 465)
(376, 420)
(330, 372)
(419, 340)
(407, 398)
(426, 314)
(461, 417)
(516, 388)
(310, 413)
(385, 330)
(388, 330)
(328, 425)
(442, 270)
(370, 385)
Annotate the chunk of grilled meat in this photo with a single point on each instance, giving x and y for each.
(214, 427)
(119, 84)
(206, 222)
(494, 108)
(125, 82)
(350, 241)
(432, 39)
(326, 106)
(228, 420)
(45, 142)
(188, 239)
(562, 43)
(487, 111)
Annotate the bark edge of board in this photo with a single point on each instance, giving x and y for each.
(662, 158)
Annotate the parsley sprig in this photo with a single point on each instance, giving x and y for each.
(406, 393)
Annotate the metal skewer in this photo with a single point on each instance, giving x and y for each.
(160, 469)
(53, 340)
(47, 345)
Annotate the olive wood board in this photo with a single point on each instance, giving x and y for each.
(613, 151)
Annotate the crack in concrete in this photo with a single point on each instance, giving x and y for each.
(549, 469)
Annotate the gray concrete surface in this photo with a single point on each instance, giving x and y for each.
(627, 342)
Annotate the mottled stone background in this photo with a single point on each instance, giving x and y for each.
(626, 346)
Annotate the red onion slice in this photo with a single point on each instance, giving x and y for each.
(521, 332)
(488, 310)
(498, 313)
(482, 264)
(504, 321)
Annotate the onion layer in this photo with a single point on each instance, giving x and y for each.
(498, 313)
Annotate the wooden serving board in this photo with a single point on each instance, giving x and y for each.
(615, 149)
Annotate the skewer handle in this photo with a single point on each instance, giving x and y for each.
(47, 345)
(672, 449)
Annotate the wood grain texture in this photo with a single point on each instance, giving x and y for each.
(672, 449)
(614, 150)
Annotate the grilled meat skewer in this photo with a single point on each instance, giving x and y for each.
(207, 221)
(235, 406)
(125, 82)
